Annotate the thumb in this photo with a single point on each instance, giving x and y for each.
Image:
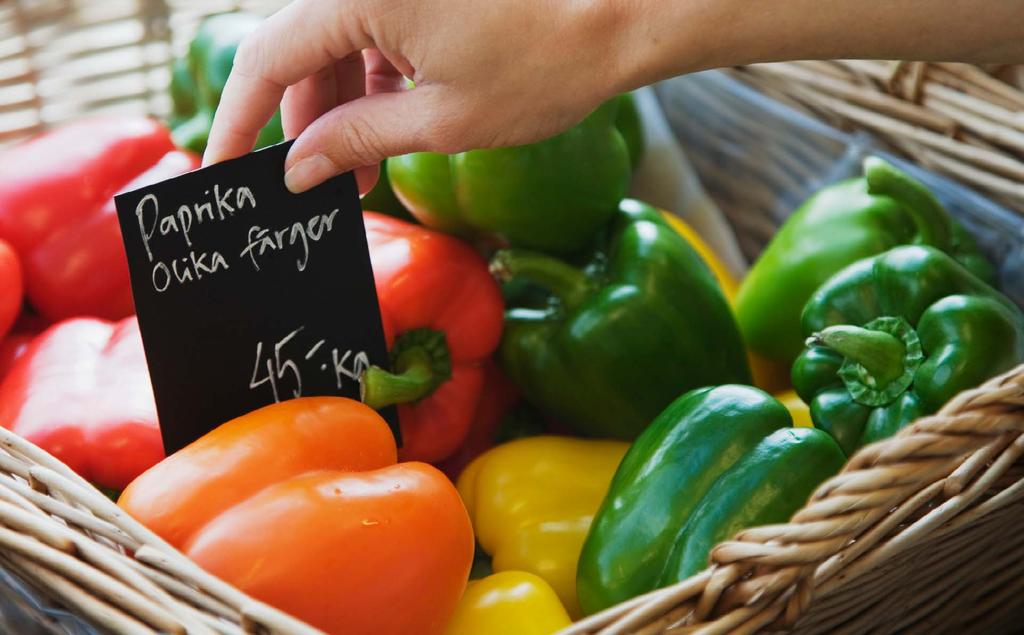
(357, 133)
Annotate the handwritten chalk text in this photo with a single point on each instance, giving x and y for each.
(298, 234)
(280, 365)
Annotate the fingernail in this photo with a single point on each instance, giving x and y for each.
(311, 171)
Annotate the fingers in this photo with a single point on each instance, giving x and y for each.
(359, 133)
(350, 78)
(305, 101)
(312, 96)
(350, 84)
(366, 177)
(272, 58)
(355, 76)
(381, 74)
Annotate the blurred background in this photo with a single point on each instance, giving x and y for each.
(60, 59)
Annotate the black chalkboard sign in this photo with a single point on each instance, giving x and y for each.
(248, 294)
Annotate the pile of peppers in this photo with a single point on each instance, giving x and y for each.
(589, 399)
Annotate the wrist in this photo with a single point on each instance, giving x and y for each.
(657, 39)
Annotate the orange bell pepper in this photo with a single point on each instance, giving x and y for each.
(302, 505)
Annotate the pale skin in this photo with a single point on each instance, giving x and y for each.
(506, 72)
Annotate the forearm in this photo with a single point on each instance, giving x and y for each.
(662, 38)
(509, 72)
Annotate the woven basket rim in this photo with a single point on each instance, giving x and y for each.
(765, 576)
(768, 576)
(955, 119)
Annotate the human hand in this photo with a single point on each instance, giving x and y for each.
(487, 74)
(493, 73)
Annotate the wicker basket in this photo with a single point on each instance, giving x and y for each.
(956, 119)
(917, 533)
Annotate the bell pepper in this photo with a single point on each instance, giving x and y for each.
(497, 397)
(508, 603)
(382, 198)
(12, 288)
(839, 225)
(532, 500)
(798, 410)
(553, 195)
(12, 348)
(719, 270)
(717, 460)
(442, 315)
(767, 375)
(197, 81)
(631, 126)
(57, 210)
(26, 329)
(81, 392)
(895, 336)
(616, 338)
(301, 505)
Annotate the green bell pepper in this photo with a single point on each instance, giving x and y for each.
(716, 461)
(837, 226)
(895, 336)
(197, 81)
(604, 345)
(553, 195)
(382, 198)
(628, 121)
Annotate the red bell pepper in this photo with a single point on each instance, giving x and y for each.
(81, 391)
(10, 286)
(57, 211)
(498, 396)
(442, 313)
(26, 329)
(12, 348)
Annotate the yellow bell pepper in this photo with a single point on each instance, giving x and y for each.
(725, 278)
(800, 411)
(508, 603)
(531, 502)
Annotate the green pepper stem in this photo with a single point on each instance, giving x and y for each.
(933, 222)
(567, 283)
(881, 354)
(421, 363)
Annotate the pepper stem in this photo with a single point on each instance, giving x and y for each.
(422, 362)
(881, 354)
(570, 285)
(933, 222)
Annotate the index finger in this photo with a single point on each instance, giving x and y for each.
(294, 43)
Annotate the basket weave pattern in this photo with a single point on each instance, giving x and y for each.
(62, 59)
(918, 532)
(63, 535)
(955, 119)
